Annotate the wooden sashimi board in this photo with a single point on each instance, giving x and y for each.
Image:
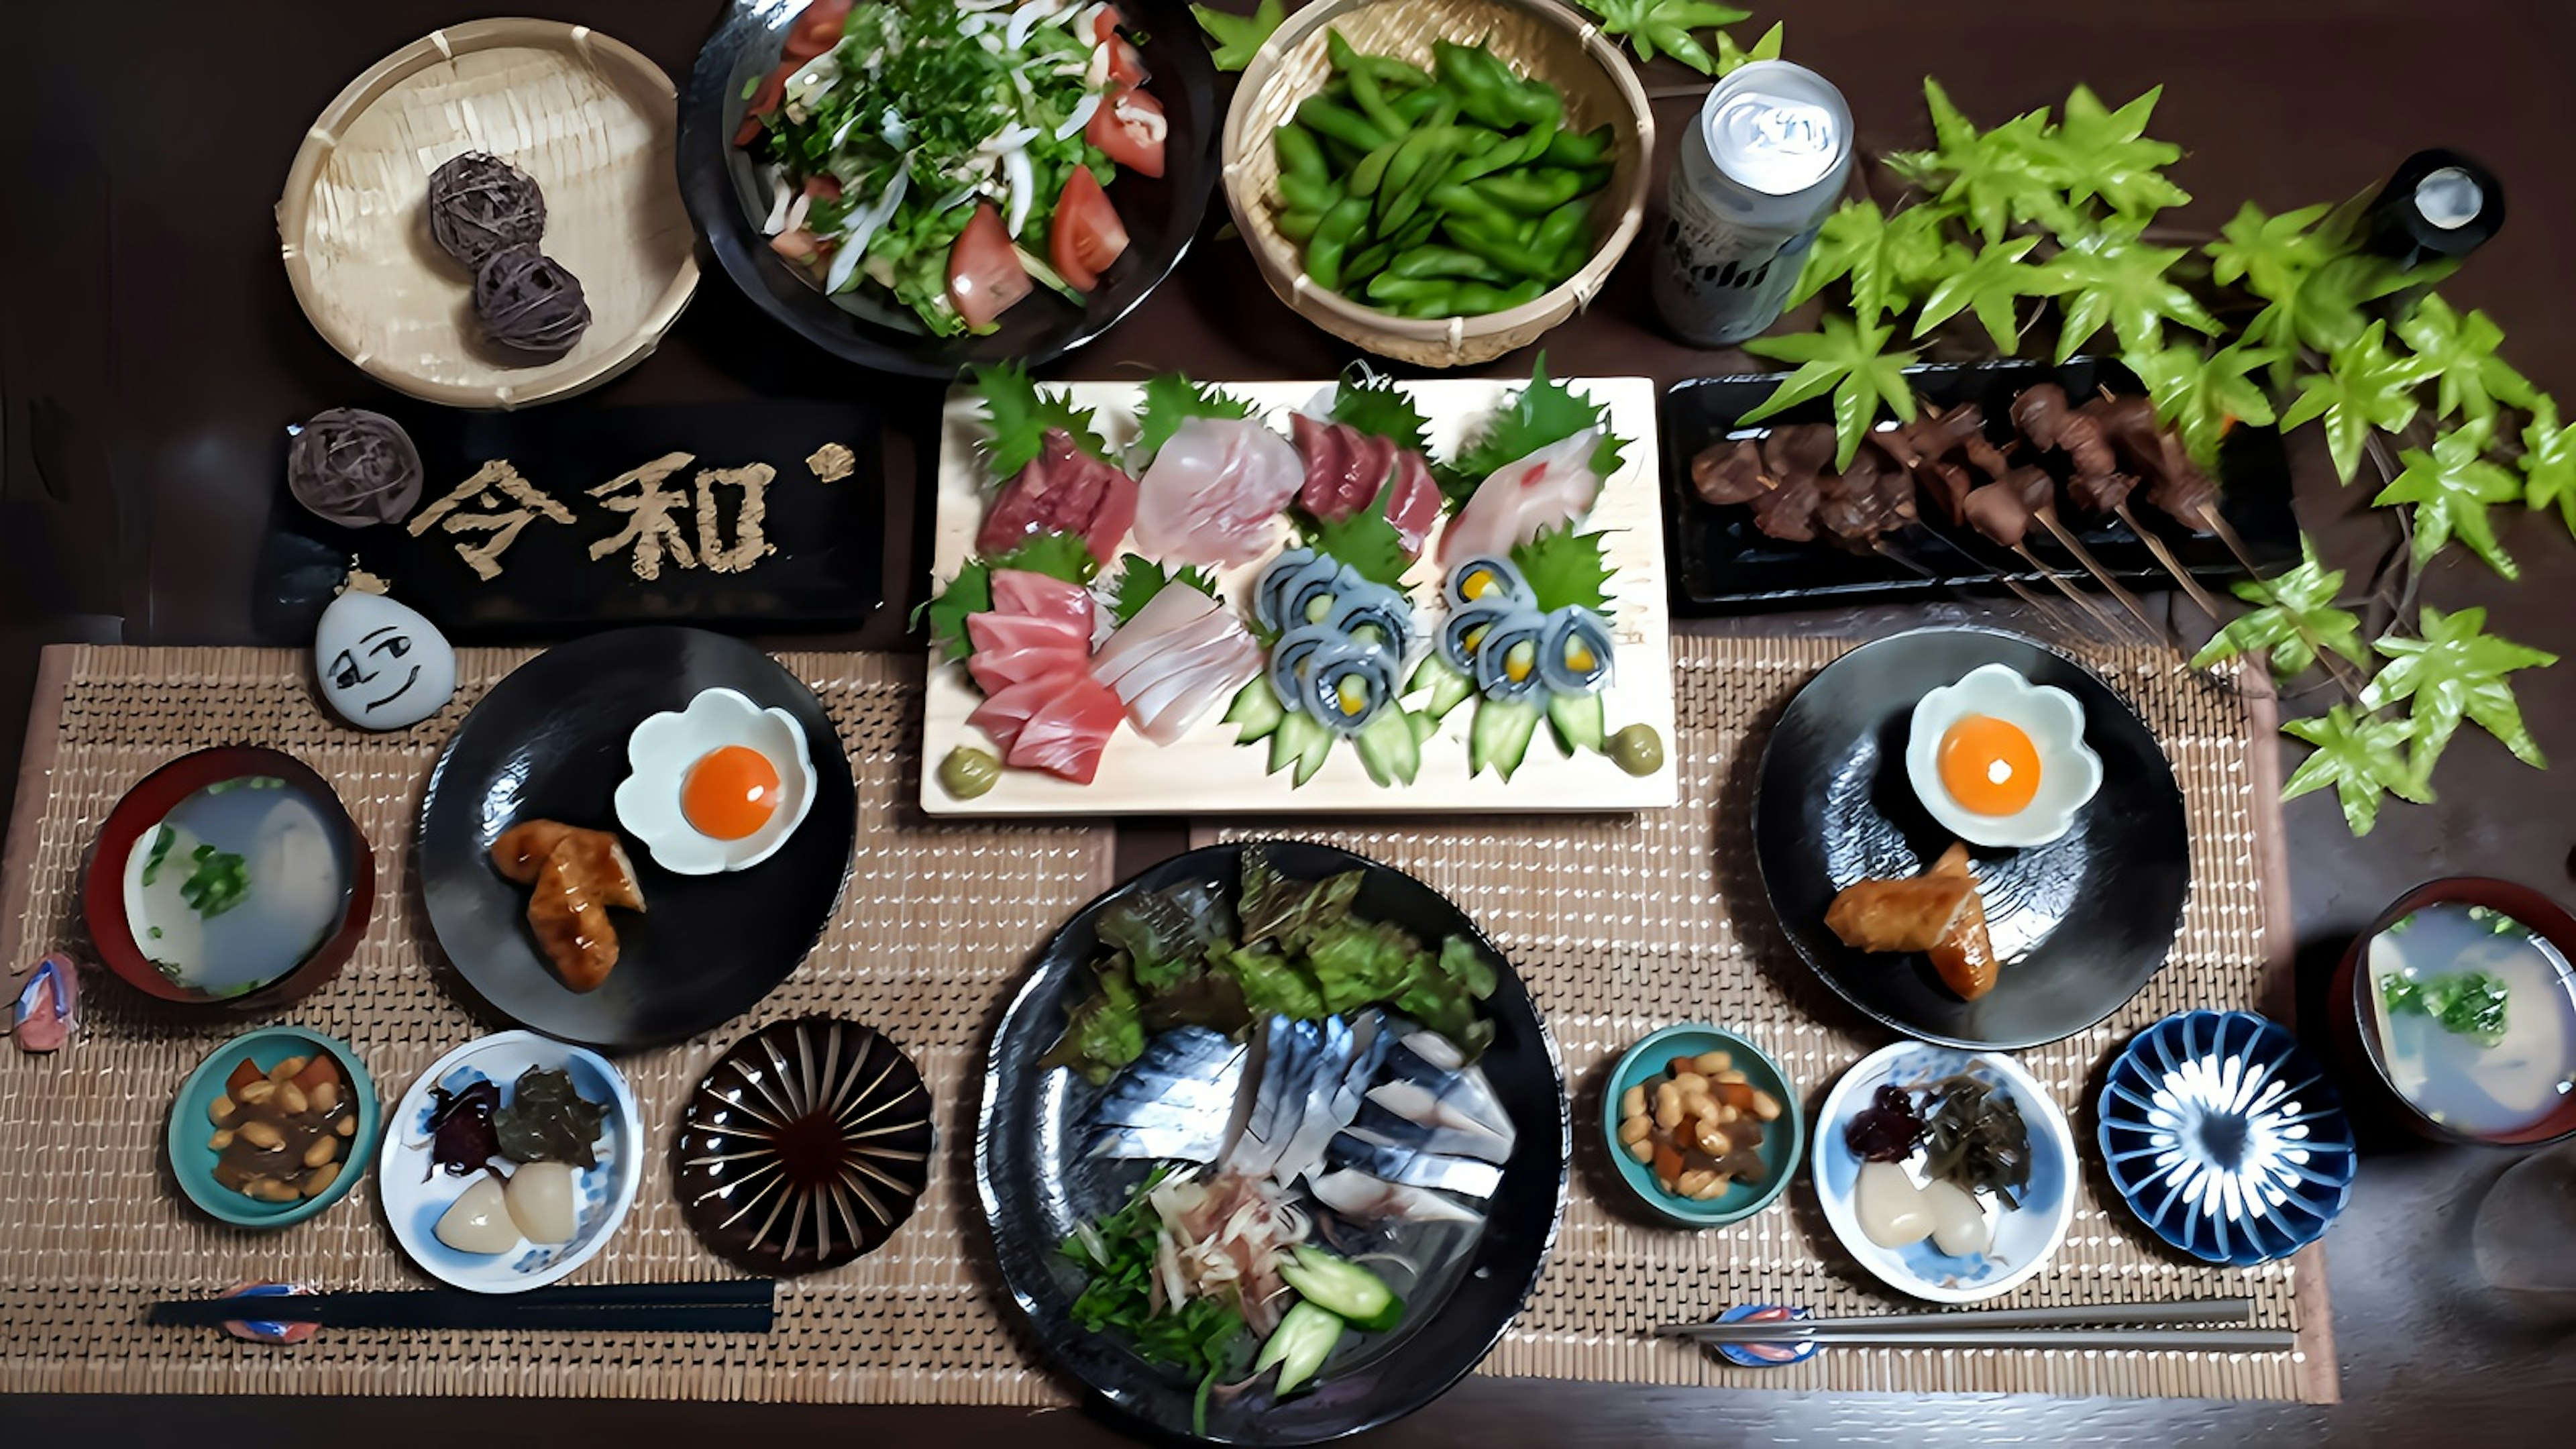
(1206, 772)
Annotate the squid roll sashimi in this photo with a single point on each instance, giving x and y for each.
(1374, 614)
(1485, 578)
(1349, 683)
(1507, 657)
(1292, 658)
(1464, 633)
(1574, 652)
(1269, 593)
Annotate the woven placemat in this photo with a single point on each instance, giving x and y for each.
(1621, 925)
(936, 920)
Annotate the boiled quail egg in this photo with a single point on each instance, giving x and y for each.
(2000, 761)
(717, 786)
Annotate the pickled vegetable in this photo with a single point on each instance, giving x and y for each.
(968, 772)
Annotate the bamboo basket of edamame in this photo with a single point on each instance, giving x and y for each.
(1546, 47)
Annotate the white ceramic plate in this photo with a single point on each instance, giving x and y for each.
(2024, 1239)
(415, 1193)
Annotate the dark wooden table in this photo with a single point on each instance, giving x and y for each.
(150, 350)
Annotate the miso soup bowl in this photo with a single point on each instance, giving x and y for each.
(2356, 1024)
(147, 805)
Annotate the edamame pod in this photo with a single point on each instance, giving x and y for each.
(1437, 261)
(1298, 153)
(1372, 104)
(1583, 148)
(1332, 237)
(1325, 117)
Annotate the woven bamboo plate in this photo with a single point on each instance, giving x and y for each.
(1540, 38)
(591, 119)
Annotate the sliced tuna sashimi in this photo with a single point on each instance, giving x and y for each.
(1213, 490)
(1062, 490)
(1548, 489)
(1018, 591)
(1027, 631)
(1346, 469)
(1067, 733)
(996, 670)
(1005, 712)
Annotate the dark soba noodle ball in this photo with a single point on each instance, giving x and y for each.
(479, 204)
(529, 302)
(354, 468)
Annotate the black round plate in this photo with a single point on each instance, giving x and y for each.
(2080, 923)
(549, 742)
(1161, 214)
(1036, 1183)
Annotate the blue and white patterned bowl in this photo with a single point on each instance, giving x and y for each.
(2024, 1239)
(416, 1194)
(2225, 1137)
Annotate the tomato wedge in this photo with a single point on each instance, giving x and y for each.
(1129, 126)
(1126, 65)
(795, 245)
(1106, 23)
(984, 275)
(823, 187)
(763, 101)
(817, 30)
(1086, 235)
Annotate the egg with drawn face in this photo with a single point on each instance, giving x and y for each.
(2000, 761)
(717, 786)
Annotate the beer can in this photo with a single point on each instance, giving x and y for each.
(1756, 177)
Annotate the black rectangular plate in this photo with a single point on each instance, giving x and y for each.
(1722, 564)
(827, 571)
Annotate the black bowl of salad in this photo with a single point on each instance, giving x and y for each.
(919, 185)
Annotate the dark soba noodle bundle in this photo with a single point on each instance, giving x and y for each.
(529, 302)
(479, 204)
(354, 468)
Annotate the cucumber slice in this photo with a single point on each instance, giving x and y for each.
(1389, 748)
(1500, 737)
(1350, 1292)
(1257, 708)
(1299, 1345)
(1424, 726)
(1301, 740)
(1577, 721)
(1449, 688)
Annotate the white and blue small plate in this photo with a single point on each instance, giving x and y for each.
(416, 1193)
(2025, 1239)
(2225, 1138)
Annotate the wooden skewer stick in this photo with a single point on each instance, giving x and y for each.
(2047, 516)
(2201, 597)
(2115, 626)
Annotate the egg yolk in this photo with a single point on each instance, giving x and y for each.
(730, 792)
(1988, 765)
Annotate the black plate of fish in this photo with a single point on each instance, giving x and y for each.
(2034, 923)
(1983, 492)
(1272, 1146)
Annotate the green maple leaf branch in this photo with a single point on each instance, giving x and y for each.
(2461, 353)
(2362, 756)
(1992, 286)
(2455, 671)
(2200, 398)
(2364, 386)
(2120, 281)
(1849, 360)
(2549, 461)
(2450, 488)
(2295, 619)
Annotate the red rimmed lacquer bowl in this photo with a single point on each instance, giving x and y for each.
(231, 878)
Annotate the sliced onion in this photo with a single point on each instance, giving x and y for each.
(781, 195)
(1095, 74)
(1026, 18)
(1024, 185)
(896, 133)
(971, 25)
(863, 227)
(1081, 117)
(797, 209)
(1152, 124)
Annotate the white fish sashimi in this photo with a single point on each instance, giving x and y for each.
(1176, 659)
(1363, 1198)
(1550, 488)
(1214, 492)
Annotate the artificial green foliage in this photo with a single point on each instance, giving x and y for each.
(1849, 360)
(2549, 461)
(2122, 282)
(2106, 153)
(2460, 352)
(2450, 488)
(1991, 286)
(1235, 39)
(2328, 309)
(1730, 55)
(2271, 255)
(1665, 25)
(1878, 257)
(2295, 617)
(2200, 398)
(1170, 400)
(2362, 756)
(1999, 179)
(2455, 671)
(2364, 386)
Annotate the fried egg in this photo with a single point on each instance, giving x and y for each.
(717, 786)
(2000, 761)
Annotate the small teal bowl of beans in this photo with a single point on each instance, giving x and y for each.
(220, 1157)
(1680, 1096)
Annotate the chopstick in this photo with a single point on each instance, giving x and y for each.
(725, 1306)
(2211, 1340)
(2094, 1315)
